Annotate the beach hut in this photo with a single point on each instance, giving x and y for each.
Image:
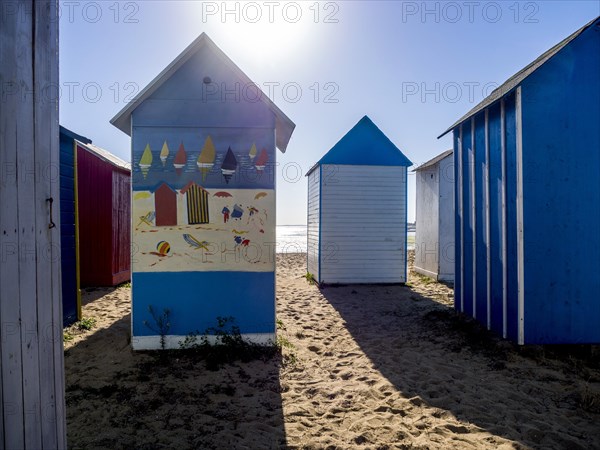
(213, 256)
(527, 165)
(357, 210)
(69, 251)
(103, 216)
(434, 238)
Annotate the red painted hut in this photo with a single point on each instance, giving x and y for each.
(165, 204)
(104, 215)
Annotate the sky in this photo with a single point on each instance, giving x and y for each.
(413, 67)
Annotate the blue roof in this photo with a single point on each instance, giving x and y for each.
(68, 134)
(364, 145)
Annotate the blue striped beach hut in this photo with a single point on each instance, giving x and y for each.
(527, 197)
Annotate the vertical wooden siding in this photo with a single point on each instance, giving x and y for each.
(104, 238)
(32, 387)
(313, 220)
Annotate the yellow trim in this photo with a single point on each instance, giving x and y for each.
(77, 262)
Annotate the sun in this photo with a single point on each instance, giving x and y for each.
(266, 29)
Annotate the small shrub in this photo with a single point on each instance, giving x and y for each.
(86, 324)
(311, 279)
(67, 336)
(161, 325)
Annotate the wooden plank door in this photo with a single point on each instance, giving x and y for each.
(32, 369)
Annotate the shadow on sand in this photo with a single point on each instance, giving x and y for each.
(439, 359)
(117, 398)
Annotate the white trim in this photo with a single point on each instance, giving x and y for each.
(172, 341)
(487, 221)
(520, 242)
(427, 273)
(504, 250)
(460, 215)
(472, 162)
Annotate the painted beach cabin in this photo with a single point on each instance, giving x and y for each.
(527, 163)
(94, 219)
(434, 238)
(69, 249)
(203, 140)
(357, 210)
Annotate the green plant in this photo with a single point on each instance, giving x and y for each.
(67, 336)
(86, 323)
(227, 344)
(161, 325)
(126, 285)
(311, 278)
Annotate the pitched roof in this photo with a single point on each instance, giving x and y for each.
(283, 125)
(184, 189)
(72, 135)
(364, 145)
(434, 161)
(518, 78)
(160, 185)
(105, 155)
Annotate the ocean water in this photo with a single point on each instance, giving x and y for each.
(292, 239)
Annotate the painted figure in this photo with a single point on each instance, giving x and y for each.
(238, 212)
(225, 213)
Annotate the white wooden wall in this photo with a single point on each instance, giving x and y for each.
(427, 242)
(446, 219)
(32, 387)
(434, 239)
(313, 222)
(363, 224)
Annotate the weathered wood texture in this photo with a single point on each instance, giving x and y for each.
(31, 353)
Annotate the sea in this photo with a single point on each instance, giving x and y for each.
(292, 239)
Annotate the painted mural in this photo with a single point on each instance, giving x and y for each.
(210, 206)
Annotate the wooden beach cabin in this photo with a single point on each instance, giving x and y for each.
(357, 210)
(69, 249)
(95, 216)
(203, 201)
(527, 162)
(104, 216)
(434, 238)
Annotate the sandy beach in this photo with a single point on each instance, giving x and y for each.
(377, 367)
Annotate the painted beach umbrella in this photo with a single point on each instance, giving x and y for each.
(164, 153)
(260, 195)
(206, 159)
(180, 159)
(252, 153)
(261, 161)
(222, 194)
(146, 160)
(229, 165)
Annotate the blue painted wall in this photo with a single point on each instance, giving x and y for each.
(480, 219)
(561, 159)
(561, 202)
(67, 224)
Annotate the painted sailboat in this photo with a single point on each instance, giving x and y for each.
(252, 153)
(261, 161)
(164, 153)
(229, 165)
(180, 159)
(146, 160)
(206, 159)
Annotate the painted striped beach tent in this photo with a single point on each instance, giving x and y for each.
(197, 203)
(434, 238)
(527, 162)
(204, 207)
(357, 210)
